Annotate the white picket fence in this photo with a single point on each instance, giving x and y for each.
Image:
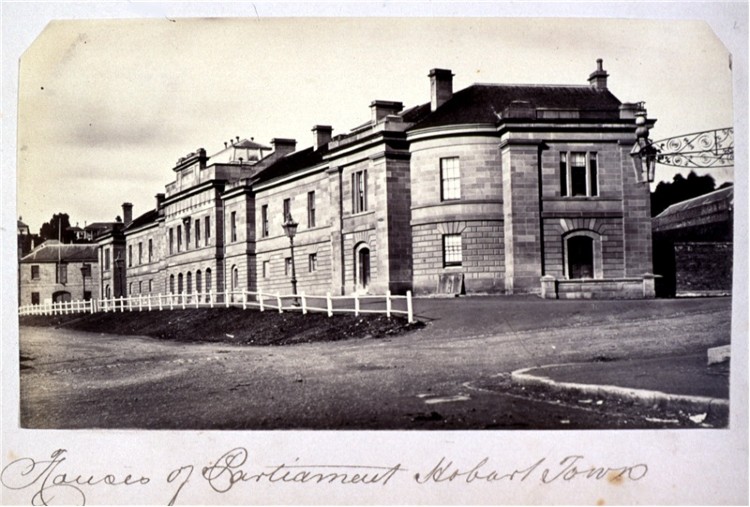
(387, 304)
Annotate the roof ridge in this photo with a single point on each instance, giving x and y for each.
(533, 85)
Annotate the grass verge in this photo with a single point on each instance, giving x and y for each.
(231, 325)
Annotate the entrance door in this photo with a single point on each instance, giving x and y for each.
(363, 268)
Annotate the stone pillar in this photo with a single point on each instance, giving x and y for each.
(636, 217)
(337, 238)
(649, 286)
(523, 256)
(548, 287)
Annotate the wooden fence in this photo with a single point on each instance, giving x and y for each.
(387, 304)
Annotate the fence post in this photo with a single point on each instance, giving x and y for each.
(211, 298)
(171, 301)
(197, 298)
(329, 304)
(260, 300)
(122, 304)
(409, 308)
(244, 299)
(182, 299)
(159, 302)
(356, 305)
(304, 303)
(278, 302)
(388, 304)
(226, 298)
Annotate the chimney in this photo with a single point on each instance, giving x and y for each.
(321, 135)
(127, 212)
(382, 108)
(283, 146)
(441, 87)
(598, 78)
(159, 201)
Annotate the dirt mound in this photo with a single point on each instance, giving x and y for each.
(231, 325)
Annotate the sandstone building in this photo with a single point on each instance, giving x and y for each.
(490, 189)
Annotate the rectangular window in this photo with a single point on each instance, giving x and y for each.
(265, 269)
(187, 234)
(264, 221)
(287, 208)
(233, 222)
(106, 258)
(150, 286)
(197, 233)
(140, 253)
(450, 179)
(452, 255)
(35, 272)
(62, 273)
(130, 256)
(578, 174)
(359, 191)
(171, 241)
(208, 230)
(34, 298)
(288, 266)
(179, 238)
(150, 250)
(311, 209)
(312, 262)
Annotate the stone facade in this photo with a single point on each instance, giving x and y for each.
(496, 186)
(53, 272)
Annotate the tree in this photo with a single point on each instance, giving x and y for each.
(680, 189)
(52, 229)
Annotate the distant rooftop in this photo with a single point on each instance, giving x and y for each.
(54, 251)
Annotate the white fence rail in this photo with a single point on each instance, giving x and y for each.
(387, 304)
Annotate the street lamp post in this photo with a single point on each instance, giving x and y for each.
(644, 154)
(290, 228)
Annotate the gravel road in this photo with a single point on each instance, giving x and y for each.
(452, 374)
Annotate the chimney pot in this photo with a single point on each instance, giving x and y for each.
(321, 135)
(382, 108)
(441, 87)
(598, 78)
(283, 146)
(238, 138)
(127, 212)
(225, 144)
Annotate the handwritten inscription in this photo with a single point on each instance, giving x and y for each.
(50, 483)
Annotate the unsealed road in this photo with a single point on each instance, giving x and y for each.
(435, 378)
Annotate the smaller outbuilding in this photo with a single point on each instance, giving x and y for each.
(56, 272)
(693, 246)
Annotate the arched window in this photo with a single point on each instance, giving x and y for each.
(208, 281)
(130, 289)
(171, 284)
(107, 291)
(180, 287)
(198, 287)
(140, 287)
(362, 266)
(579, 256)
(189, 283)
(235, 278)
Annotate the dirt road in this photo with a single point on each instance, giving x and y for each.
(441, 377)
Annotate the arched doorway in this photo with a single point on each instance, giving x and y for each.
(61, 296)
(362, 271)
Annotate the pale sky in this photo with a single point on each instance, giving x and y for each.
(107, 107)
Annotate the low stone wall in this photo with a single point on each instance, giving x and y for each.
(606, 288)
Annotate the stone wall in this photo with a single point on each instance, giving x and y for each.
(703, 268)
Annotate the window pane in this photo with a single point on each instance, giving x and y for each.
(452, 255)
(450, 178)
(593, 174)
(563, 174)
(578, 174)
